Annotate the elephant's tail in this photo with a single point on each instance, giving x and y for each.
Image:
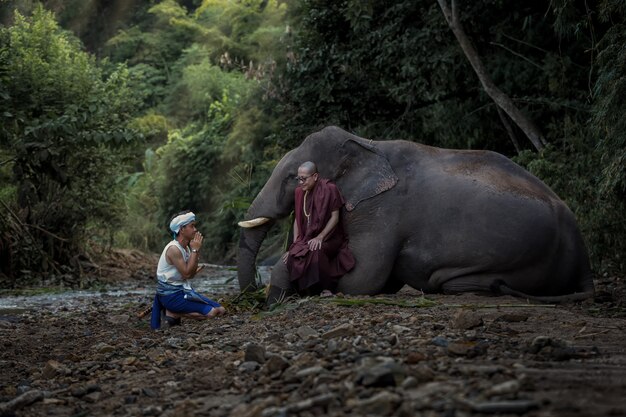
(500, 287)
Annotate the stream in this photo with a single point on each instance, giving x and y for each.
(213, 281)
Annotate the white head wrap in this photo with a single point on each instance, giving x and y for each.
(181, 220)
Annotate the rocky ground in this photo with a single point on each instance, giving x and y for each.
(403, 355)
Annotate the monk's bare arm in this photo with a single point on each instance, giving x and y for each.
(316, 243)
(186, 269)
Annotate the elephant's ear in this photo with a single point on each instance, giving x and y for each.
(363, 172)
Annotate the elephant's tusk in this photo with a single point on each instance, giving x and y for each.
(254, 222)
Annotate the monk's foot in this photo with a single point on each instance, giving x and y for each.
(326, 293)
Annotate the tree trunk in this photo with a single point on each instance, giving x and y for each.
(500, 98)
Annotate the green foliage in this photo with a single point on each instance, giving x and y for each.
(610, 110)
(216, 126)
(64, 129)
(221, 89)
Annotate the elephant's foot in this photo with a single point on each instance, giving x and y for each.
(277, 295)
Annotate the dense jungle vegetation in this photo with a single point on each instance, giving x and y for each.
(116, 114)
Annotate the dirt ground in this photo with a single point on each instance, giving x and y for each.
(402, 355)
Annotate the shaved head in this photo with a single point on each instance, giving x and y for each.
(309, 167)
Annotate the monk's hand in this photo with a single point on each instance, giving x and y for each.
(315, 243)
(196, 242)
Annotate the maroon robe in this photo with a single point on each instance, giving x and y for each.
(314, 271)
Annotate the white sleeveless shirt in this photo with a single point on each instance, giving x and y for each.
(167, 273)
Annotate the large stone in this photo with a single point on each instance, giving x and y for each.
(104, 348)
(465, 320)
(52, 369)
(342, 330)
(380, 372)
(255, 353)
(93, 397)
(275, 364)
(467, 348)
(306, 332)
(415, 357)
(513, 317)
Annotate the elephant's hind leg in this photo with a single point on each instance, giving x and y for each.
(482, 284)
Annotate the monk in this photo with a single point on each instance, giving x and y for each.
(319, 254)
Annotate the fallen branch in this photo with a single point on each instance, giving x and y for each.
(349, 302)
(143, 313)
(582, 336)
(49, 233)
(476, 306)
(10, 407)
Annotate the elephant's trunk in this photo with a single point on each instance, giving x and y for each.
(250, 241)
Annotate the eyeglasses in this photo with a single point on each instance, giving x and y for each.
(303, 179)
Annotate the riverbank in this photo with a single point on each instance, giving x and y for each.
(401, 355)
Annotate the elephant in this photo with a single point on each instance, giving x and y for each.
(439, 220)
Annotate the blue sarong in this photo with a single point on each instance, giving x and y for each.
(176, 302)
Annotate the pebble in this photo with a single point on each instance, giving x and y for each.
(152, 410)
(313, 370)
(410, 382)
(400, 329)
(383, 403)
(508, 387)
(149, 392)
(275, 364)
(306, 332)
(93, 397)
(51, 369)
(497, 407)
(118, 318)
(249, 366)
(175, 342)
(553, 349)
(439, 341)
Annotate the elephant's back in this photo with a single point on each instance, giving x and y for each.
(494, 171)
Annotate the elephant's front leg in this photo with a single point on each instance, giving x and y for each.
(280, 285)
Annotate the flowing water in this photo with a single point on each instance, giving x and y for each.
(213, 281)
